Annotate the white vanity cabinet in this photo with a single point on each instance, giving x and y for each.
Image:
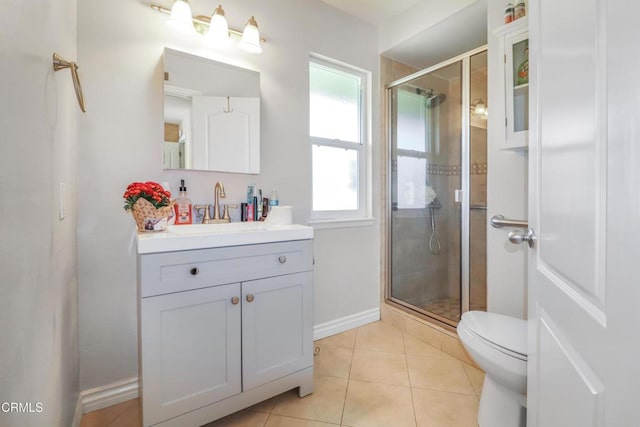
(223, 328)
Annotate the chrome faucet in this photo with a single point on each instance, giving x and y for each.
(218, 193)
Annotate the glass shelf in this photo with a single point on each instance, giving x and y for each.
(521, 89)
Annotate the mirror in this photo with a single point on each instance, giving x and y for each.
(211, 115)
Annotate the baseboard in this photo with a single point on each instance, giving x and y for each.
(333, 327)
(105, 396)
(77, 415)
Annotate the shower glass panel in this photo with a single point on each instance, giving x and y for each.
(425, 224)
(478, 182)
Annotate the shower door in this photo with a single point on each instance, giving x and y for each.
(435, 187)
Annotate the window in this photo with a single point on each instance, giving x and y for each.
(417, 137)
(338, 134)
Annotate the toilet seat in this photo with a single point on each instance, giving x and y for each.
(505, 334)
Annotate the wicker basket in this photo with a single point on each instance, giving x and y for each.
(150, 218)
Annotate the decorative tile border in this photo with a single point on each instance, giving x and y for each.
(435, 169)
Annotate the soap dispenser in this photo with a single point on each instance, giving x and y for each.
(183, 206)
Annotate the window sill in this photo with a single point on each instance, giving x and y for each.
(321, 224)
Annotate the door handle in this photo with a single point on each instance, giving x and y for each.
(518, 237)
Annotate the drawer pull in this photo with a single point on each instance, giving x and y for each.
(235, 300)
(282, 259)
(195, 271)
(250, 298)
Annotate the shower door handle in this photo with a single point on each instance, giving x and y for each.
(518, 237)
(458, 195)
(394, 206)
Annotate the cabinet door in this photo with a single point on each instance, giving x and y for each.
(190, 350)
(277, 327)
(517, 89)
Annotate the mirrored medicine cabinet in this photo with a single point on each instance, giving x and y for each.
(211, 115)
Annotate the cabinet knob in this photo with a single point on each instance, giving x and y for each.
(195, 271)
(250, 298)
(235, 300)
(282, 259)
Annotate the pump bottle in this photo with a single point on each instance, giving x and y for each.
(183, 206)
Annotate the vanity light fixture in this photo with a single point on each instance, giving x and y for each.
(479, 108)
(214, 28)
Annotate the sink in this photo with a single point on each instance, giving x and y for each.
(202, 236)
(229, 227)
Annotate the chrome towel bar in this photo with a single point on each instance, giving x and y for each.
(499, 221)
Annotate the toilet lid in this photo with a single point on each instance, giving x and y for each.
(503, 331)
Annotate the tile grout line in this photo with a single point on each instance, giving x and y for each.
(413, 405)
(470, 382)
(346, 392)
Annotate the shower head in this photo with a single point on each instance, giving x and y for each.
(434, 98)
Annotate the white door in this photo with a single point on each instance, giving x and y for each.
(584, 206)
(171, 155)
(226, 134)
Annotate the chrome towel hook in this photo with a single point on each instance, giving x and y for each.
(59, 63)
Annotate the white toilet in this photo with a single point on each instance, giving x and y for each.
(498, 344)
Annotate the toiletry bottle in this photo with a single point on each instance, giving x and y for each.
(183, 206)
(523, 69)
(519, 10)
(251, 191)
(250, 210)
(273, 200)
(508, 13)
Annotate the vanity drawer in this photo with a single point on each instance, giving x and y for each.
(169, 272)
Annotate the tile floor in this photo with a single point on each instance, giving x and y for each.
(371, 376)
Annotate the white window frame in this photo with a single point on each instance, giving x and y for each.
(362, 148)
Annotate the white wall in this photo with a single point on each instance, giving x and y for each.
(506, 192)
(422, 15)
(120, 45)
(38, 288)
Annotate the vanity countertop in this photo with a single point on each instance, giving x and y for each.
(201, 236)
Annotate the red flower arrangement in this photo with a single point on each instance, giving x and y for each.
(151, 191)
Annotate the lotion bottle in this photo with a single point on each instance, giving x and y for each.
(183, 206)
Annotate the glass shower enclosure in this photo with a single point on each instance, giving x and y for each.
(437, 188)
